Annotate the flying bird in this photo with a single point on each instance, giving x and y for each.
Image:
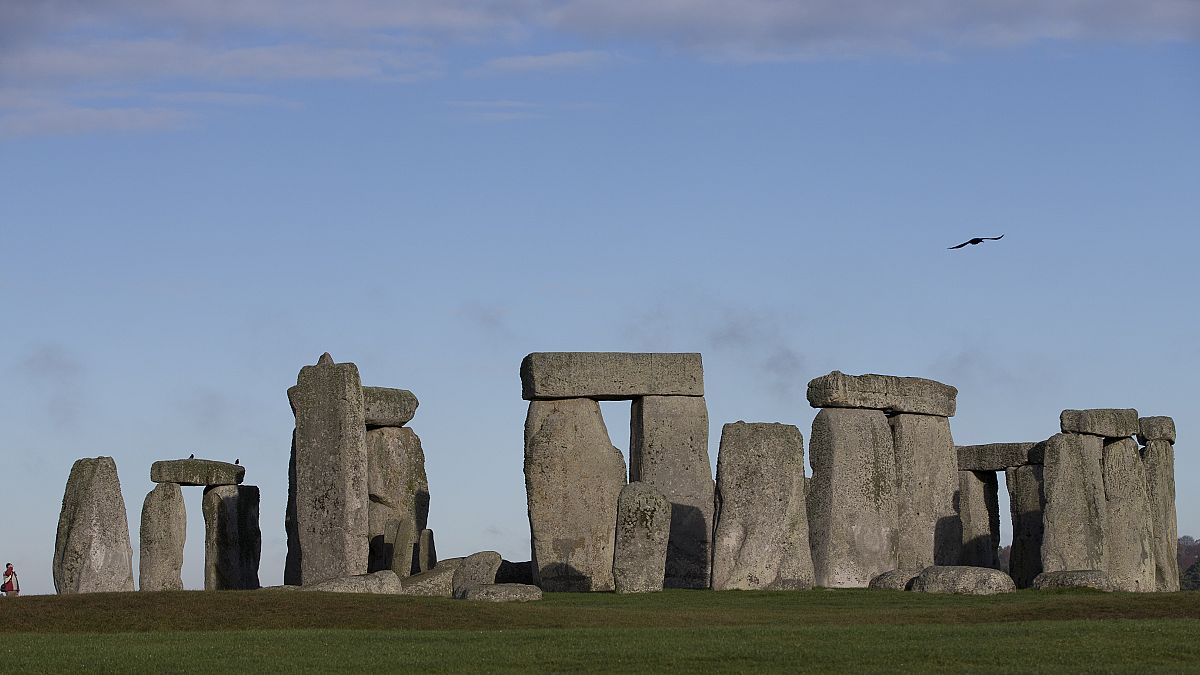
(976, 240)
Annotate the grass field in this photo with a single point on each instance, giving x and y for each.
(675, 630)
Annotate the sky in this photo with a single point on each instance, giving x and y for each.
(199, 198)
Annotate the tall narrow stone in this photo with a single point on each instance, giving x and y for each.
(1026, 503)
(1129, 539)
(1159, 458)
(979, 510)
(399, 493)
(291, 563)
(643, 528)
(573, 477)
(852, 497)
(92, 553)
(668, 449)
(926, 482)
(1076, 514)
(761, 539)
(232, 540)
(331, 471)
(426, 552)
(163, 531)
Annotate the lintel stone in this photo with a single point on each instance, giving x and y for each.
(610, 376)
(999, 456)
(1106, 422)
(387, 407)
(203, 472)
(883, 392)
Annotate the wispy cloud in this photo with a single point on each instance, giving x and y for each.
(62, 119)
(498, 110)
(57, 374)
(552, 62)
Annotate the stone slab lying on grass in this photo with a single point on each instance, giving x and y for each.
(998, 456)
(387, 407)
(610, 376)
(1093, 579)
(499, 593)
(383, 582)
(477, 568)
(196, 472)
(895, 580)
(1156, 429)
(437, 582)
(1107, 422)
(883, 392)
(963, 581)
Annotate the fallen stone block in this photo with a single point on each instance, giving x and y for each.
(383, 582)
(1076, 514)
(963, 580)
(610, 376)
(895, 580)
(1156, 429)
(163, 532)
(232, 539)
(477, 568)
(386, 407)
(883, 392)
(640, 550)
(500, 593)
(1095, 580)
(979, 512)
(999, 456)
(1027, 504)
(92, 553)
(1107, 422)
(1159, 459)
(437, 582)
(197, 472)
(930, 529)
(1129, 539)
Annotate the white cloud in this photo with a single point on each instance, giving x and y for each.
(555, 61)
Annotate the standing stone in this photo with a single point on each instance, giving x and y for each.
(331, 471)
(426, 552)
(232, 540)
(291, 563)
(1076, 514)
(1027, 504)
(1128, 540)
(762, 537)
(852, 507)
(1159, 458)
(399, 493)
(668, 449)
(643, 528)
(163, 531)
(883, 392)
(387, 407)
(926, 482)
(573, 477)
(979, 510)
(610, 376)
(92, 553)
(1107, 422)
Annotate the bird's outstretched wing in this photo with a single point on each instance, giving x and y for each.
(993, 238)
(961, 245)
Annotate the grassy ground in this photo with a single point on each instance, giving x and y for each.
(674, 630)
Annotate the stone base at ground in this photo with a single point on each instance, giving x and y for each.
(476, 569)
(1093, 579)
(499, 593)
(963, 581)
(895, 580)
(384, 582)
(437, 582)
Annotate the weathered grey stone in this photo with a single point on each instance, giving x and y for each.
(668, 449)
(1027, 503)
(573, 476)
(383, 582)
(883, 392)
(515, 572)
(163, 532)
(399, 494)
(640, 550)
(1156, 429)
(979, 511)
(610, 376)
(232, 539)
(1129, 539)
(331, 515)
(499, 593)
(930, 530)
(196, 472)
(762, 532)
(291, 562)
(852, 497)
(386, 407)
(895, 580)
(426, 552)
(1159, 458)
(477, 568)
(437, 582)
(92, 553)
(1107, 422)
(1075, 514)
(1096, 580)
(998, 456)
(963, 580)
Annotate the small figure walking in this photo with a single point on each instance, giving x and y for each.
(12, 585)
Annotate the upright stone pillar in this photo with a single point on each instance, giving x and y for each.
(1026, 504)
(930, 530)
(643, 530)
(979, 510)
(92, 553)
(1128, 541)
(232, 540)
(399, 494)
(163, 532)
(668, 449)
(1157, 434)
(1076, 514)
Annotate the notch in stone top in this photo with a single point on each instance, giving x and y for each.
(610, 376)
(1106, 422)
(888, 393)
(325, 360)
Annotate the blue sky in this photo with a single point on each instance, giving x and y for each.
(196, 199)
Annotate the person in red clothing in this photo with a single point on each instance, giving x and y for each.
(11, 586)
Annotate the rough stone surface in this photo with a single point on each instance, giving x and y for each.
(477, 568)
(761, 536)
(610, 376)
(1075, 515)
(998, 456)
(1159, 458)
(499, 593)
(515, 572)
(979, 510)
(1027, 503)
(196, 472)
(883, 392)
(1094, 579)
(963, 581)
(383, 582)
(92, 553)
(640, 551)
(399, 498)
(895, 580)
(163, 532)
(1156, 429)
(1107, 422)
(1129, 539)
(573, 477)
(426, 552)
(668, 449)
(852, 497)
(331, 515)
(386, 407)
(930, 530)
(437, 582)
(232, 539)
(291, 562)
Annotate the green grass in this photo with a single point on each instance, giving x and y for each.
(675, 630)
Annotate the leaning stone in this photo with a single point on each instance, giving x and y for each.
(979, 511)
(610, 376)
(426, 552)
(437, 582)
(762, 535)
(998, 456)
(895, 580)
(477, 568)
(1159, 458)
(383, 582)
(1107, 422)
(963, 581)
(640, 551)
(882, 392)
(399, 493)
(852, 497)
(197, 472)
(1096, 580)
(930, 530)
(1075, 515)
(163, 532)
(331, 471)
(573, 476)
(1156, 429)
(668, 449)
(1129, 539)
(500, 593)
(515, 572)
(232, 540)
(1027, 504)
(386, 407)
(92, 553)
